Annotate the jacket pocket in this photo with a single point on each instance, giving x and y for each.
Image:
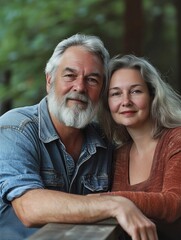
(95, 183)
(52, 179)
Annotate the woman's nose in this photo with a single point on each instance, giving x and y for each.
(126, 101)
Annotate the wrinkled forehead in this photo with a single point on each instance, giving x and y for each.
(79, 58)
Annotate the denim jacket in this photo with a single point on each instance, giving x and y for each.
(32, 156)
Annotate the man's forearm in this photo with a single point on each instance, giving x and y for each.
(40, 206)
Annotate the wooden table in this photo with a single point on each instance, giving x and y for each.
(104, 230)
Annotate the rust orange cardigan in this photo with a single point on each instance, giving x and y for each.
(159, 197)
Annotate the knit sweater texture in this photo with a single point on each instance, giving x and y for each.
(158, 197)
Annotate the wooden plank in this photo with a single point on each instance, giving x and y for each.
(54, 231)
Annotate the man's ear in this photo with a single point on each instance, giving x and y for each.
(48, 82)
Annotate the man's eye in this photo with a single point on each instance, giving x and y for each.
(92, 81)
(69, 76)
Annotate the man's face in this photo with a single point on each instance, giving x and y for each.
(75, 92)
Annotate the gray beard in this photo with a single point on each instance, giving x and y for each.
(74, 116)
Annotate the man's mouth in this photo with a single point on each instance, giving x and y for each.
(77, 100)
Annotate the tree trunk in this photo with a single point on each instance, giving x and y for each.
(134, 27)
(177, 4)
(6, 104)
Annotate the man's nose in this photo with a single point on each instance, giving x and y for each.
(80, 85)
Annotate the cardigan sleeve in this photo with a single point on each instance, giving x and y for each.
(165, 204)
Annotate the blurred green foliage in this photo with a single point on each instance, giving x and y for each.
(30, 30)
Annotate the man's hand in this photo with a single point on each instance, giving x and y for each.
(131, 219)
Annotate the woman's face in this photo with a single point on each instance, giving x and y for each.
(129, 99)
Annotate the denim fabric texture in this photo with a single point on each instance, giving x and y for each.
(32, 156)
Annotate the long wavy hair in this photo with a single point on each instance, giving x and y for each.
(165, 109)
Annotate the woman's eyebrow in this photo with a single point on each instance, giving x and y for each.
(130, 87)
(114, 88)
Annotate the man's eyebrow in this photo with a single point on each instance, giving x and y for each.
(73, 70)
(68, 69)
(95, 74)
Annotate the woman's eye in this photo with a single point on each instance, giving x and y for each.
(114, 94)
(135, 91)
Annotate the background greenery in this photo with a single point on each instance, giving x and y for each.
(30, 30)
